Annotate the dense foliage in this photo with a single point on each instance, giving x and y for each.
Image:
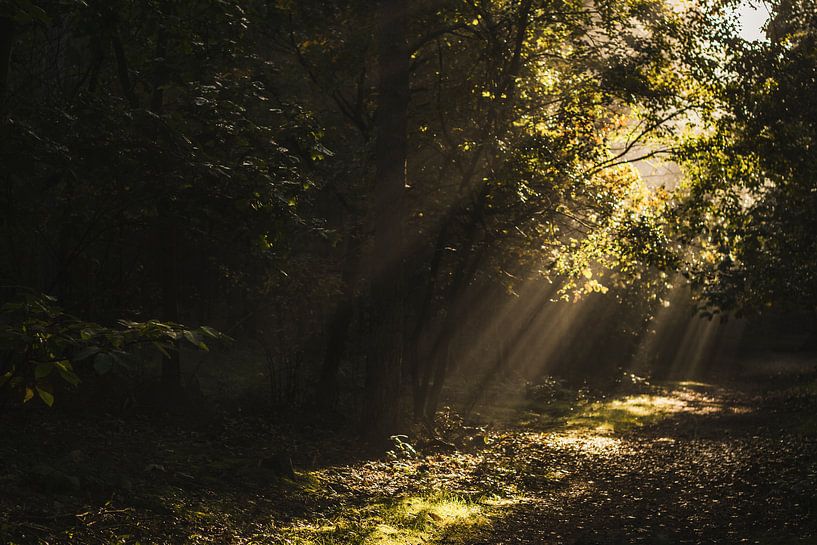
(352, 192)
(749, 207)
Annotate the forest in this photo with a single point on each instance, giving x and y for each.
(386, 272)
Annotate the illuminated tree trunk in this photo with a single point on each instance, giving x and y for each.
(383, 366)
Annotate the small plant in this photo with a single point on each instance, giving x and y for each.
(545, 390)
(403, 450)
(41, 347)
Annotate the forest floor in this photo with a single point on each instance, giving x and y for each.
(730, 461)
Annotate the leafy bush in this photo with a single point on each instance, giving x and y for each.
(403, 450)
(41, 347)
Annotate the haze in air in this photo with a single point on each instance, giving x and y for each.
(400, 272)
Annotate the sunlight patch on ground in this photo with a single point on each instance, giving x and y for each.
(699, 403)
(693, 384)
(633, 411)
(590, 444)
(593, 428)
(648, 405)
(625, 413)
(410, 521)
(419, 520)
(443, 510)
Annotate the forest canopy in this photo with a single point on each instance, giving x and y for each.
(368, 198)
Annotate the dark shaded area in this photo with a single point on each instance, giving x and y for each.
(727, 462)
(396, 271)
(80, 479)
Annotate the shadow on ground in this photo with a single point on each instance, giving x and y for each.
(683, 462)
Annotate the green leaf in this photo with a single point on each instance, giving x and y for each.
(194, 339)
(118, 360)
(5, 378)
(46, 396)
(191, 337)
(209, 331)
(67, 373)
(117, 340)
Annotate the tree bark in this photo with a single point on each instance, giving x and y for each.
(6, 43)
(381, 413)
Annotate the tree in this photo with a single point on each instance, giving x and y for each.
(750, 202)
(512, 112)
(342, 183)
(383, 365)
(519, 154)
(144, 170)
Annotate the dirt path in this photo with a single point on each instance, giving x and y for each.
(727, 462)
(730, 465)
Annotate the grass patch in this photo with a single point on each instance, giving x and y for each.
(626, 413)
(408, 521)
(692, 384)
(570, 412)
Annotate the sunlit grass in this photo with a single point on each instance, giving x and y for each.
(648, 406)
(586, 442)
(605, 416)
(625, 413)
(574, 422)
(408, 521)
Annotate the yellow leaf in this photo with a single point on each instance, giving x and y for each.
(587, 273)
(29, 394)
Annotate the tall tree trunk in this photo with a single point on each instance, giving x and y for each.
(6, 43)
(435, 368)
(383, 366)
(122, 72)
(170, 287)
